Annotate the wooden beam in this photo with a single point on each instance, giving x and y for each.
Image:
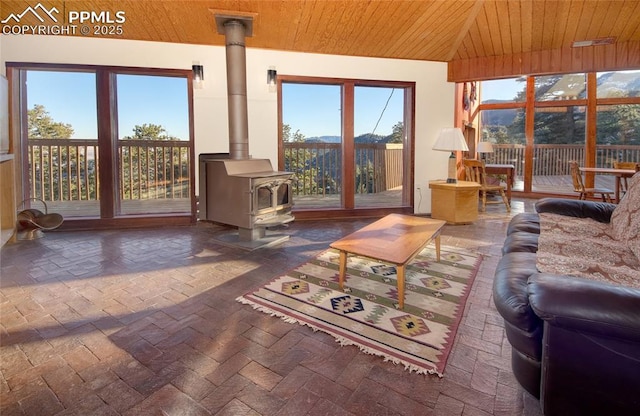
(618, 56)
(465, 29)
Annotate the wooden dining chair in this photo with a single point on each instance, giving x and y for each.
(475, 172)
(624, 184)
(578, 185)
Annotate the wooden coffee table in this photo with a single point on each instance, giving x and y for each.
(394, 239)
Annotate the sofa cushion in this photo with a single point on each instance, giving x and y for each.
(520, 242)
(524, 221)
(599, 211)
(625, 219)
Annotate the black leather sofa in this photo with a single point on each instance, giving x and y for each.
(575, 342)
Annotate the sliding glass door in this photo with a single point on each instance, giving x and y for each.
(153, 144)
(348, 142)
(312, 138)
(98, 143)
(379, 143)
(61, 148)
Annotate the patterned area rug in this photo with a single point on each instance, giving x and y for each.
(366, 314)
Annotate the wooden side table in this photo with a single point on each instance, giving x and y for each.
(456, 203)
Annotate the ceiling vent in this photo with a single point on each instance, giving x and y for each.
(593, 42)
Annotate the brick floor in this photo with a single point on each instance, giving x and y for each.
(145, 322)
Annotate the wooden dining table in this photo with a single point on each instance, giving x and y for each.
(618, 173)
(502, 169)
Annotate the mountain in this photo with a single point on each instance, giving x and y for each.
(323, 139)
(363, 138)
(499, 117)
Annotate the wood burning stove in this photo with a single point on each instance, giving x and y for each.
(246, 193)
(239, 190)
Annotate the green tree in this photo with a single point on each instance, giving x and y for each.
(296, 137)
(397, 133)
(619, 124)
(149, 132)
(150, 171)
(41, 125)
(54, 169)
(299, 160)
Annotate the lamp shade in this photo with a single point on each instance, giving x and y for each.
(485, 147)
(450, 139)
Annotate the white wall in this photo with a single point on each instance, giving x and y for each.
(434, 95)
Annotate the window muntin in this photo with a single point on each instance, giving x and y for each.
(562, 112)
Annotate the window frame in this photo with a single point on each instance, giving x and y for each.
(106, 106)
(530, 105)
(348, 206)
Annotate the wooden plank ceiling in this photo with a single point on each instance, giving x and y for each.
(445, 30)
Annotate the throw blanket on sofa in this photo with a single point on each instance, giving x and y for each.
(582, 247)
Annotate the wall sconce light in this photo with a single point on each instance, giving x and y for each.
(271, 78)
(198, 75)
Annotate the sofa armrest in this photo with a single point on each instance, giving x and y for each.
(586, 306)
(599, 211)
(590, 346)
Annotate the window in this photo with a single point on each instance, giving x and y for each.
(560, 87)
(348, 142)
(153, 148)
(561, 110)
(504, 129)
(378, 146)
(103, 143)
(62, 142)
(503, 91)
(620, 84)
(312, 136)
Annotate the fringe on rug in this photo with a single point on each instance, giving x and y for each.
(341, 340)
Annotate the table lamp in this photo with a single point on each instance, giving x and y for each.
(450, 139)
(484, 147)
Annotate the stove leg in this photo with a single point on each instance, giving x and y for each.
(251, 234)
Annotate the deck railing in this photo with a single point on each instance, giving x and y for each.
(63, 170)
(68, 170)
(318, 167)
(551, 159)
(154, 169)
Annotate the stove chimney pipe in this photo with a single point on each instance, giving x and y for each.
(235, 29)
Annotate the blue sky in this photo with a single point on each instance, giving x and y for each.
(501, 89)
(70, 97)
(315, 109)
